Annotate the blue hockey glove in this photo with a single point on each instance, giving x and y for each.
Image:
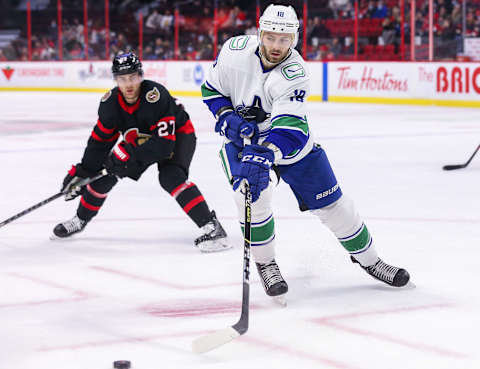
(235, 128)
(255, 169)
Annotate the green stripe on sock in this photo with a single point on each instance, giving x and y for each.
(263, 232)
(225, 166)
(359, 242)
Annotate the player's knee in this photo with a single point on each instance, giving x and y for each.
(104, 184)
(261, 209)
(341, 217)
(171, 176)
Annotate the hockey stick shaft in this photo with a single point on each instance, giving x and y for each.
(219, 338)
(460, 166)
(50, 199)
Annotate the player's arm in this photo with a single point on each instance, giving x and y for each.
(214, 90)
(290, 131)
(162, 143)
(102, 139)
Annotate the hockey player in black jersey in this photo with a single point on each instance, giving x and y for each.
(155, 130)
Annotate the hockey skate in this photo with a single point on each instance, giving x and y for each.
(273, 282)
(214, 239)
(386, 273)
(69, 228)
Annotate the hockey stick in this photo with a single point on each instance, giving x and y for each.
(82, 183)
(460, 166)
(219, 338)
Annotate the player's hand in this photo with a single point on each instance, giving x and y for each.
(70, 183)
(235, 128)
(255, 169)
(122, 161)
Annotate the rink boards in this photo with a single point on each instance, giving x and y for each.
(436, 83)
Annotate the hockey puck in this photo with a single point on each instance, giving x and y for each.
(121, 364)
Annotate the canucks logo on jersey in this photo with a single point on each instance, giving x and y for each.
(253, 112)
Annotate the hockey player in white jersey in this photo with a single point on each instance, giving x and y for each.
(257, 87)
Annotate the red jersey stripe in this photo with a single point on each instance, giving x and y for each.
(197, 200)
(187, 128)
(98, 138)
(102, 128)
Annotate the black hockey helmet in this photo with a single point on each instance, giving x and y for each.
(126, 63)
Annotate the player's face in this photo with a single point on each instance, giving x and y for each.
(129, 85)
(275, 46)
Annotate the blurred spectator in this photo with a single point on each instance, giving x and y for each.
(381, 10)
(319, 31)
(153, 20)
(388, 32)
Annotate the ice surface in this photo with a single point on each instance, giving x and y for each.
(132, 286)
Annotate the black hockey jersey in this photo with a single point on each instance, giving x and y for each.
(150, 125)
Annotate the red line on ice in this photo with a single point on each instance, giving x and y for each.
(284, 349)
(330, 322)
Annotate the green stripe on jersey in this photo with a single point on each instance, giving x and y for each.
(358, 242)
(291, 123)
(209, 93)
(263, 232)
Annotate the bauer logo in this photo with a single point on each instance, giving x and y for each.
(326, 193)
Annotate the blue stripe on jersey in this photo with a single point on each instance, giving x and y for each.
(287, 140)
(215, 104)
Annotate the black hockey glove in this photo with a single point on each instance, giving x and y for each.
(70, 183)
(122, 161)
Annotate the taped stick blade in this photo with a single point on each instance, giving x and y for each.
(214, 340)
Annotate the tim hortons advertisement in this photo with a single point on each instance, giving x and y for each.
(369, 79)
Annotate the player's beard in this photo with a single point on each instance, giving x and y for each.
(272, 60)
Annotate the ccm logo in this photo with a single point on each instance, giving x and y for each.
(257, 159)
(327, 192)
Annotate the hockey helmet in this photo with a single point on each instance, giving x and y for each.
(126, 63)
(280, 19)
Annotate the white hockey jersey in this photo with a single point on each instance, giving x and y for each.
(239, 76)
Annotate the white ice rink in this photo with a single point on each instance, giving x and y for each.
(132, 286)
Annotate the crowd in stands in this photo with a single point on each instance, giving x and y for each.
(329, 31)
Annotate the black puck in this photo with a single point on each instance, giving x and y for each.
(122, 364)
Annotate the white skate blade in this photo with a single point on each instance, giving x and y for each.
(280, 300)
(214, 340)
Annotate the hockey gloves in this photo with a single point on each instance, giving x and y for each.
(122, 161)
(236, 128)
(255, 169)
(71, 181)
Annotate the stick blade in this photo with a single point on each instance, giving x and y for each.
(453, 167)
(214, 340)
